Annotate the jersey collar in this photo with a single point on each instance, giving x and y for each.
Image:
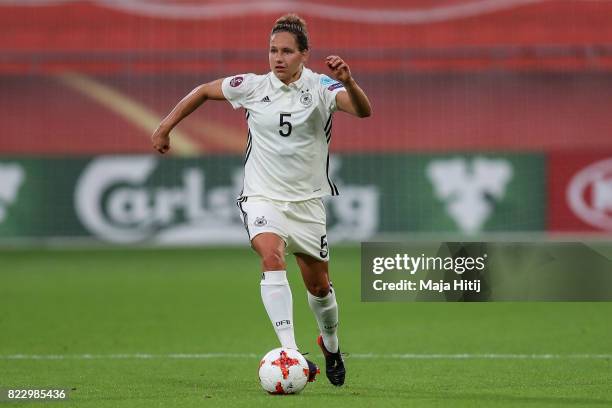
(277, 83)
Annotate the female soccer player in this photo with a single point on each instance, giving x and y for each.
(289, 115)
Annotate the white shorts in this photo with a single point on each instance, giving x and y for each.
(300, 224)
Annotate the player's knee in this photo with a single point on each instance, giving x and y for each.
(273, 261)
(319, 289)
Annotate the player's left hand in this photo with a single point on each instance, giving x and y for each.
(340, 70)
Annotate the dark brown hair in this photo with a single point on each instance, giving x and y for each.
(294, 24)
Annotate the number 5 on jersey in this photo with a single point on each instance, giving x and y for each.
(324, 247)
(284, 132)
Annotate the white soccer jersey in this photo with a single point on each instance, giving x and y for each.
(287, 155)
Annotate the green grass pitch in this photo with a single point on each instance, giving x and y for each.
(201, 303)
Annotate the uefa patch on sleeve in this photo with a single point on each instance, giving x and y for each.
(236, 81)
(327, 81)
(335, 86)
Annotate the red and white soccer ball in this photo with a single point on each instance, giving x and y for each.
(283, 371)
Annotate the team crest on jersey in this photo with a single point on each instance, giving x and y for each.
(260, 221)
(236, 81)
(306, 99)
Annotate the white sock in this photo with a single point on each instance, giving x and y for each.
(325, 310)
(276, 296)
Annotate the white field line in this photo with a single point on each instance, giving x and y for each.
(368, 356)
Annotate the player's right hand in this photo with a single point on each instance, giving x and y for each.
(161, 140)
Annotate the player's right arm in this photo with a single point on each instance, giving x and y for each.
(195, 98)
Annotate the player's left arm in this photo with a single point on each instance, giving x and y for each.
(354, 100)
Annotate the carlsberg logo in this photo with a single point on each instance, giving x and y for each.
(12, 177)
(113, 202)
(469, 189)
(116, 201)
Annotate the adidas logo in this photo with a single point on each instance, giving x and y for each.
(265, 99)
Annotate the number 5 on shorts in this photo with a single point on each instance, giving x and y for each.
(324, 249)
